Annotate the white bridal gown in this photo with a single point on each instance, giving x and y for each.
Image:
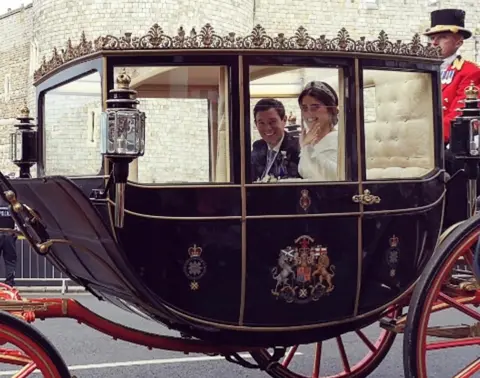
(319, 162)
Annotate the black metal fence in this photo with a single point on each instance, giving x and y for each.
(33, 269)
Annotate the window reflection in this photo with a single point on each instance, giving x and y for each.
(72, 127)
(187, 125)
(287, 147)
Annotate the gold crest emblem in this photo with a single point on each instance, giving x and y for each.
(305, 200)
(393, 255)
(195, 267)
(303, 273)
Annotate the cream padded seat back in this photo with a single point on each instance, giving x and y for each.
(400, 143)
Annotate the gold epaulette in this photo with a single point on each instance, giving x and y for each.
(458, 63)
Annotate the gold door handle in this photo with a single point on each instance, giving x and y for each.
(366, 198)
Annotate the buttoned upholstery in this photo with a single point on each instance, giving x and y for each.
(399, 137)
(399, 142)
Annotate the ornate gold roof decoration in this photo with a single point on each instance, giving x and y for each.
(24, 111)
(471, 92)
(123, 80)
(156, 39)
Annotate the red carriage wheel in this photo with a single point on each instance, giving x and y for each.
(28, 350)
(447, 284)
(375, 353)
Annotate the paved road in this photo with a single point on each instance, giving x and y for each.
(94, 355)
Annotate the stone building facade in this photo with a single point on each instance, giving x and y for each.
(72, 116)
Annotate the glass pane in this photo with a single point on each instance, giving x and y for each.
(71, 123)
(187, 124)
(399, 126)
(297, 124)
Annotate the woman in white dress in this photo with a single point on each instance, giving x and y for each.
(319, 137)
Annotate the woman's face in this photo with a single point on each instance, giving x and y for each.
(314, 111)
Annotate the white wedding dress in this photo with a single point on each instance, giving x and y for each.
(319, 162)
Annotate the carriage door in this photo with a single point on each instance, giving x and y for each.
(183, 213)
(303, 242)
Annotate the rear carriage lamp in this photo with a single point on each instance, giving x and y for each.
(122, 137)
(23, 143)
(463, 145)
(464, 127)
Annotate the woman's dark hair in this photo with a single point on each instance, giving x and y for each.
(321, 91)
(324, 93)
(269, 103)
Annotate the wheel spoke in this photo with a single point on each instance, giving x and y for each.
(470, 370)
(366, 340)
(290, 355)
(343, 354)
(468, 257)
(453, 343)
(374, 354)
(460, 307)
(318, 359)
(26, 370)
(14, 357)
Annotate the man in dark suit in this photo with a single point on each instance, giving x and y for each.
(7, 244)
(277, 153)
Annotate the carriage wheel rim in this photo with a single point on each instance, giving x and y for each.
(33, 351)
(373, 358)
(433, 294)
(39, 359)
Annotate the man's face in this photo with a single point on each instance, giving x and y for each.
(270, 126)
(449, 43)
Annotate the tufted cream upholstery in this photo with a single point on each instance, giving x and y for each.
(399, 138)
(399, 142)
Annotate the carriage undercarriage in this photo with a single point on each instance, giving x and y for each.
(445, 280)
(454, 289)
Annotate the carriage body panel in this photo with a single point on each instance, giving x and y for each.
(230, 257)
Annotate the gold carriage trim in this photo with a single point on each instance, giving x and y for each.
(156, 39)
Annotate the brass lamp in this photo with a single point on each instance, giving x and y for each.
(122, 137)
(23, 143)
(463, 145)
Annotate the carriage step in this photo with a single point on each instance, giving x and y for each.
(393, 325)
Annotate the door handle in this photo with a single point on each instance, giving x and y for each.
(367, 198)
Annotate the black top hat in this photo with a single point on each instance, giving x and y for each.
(450, 21)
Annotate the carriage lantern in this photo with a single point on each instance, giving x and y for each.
(292, 127)
(23, 143)
(122, 137)
(462, 141)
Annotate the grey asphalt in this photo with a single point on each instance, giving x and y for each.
(81, 346)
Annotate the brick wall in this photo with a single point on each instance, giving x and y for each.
(34, 30)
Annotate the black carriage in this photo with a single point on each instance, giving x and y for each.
(145, 193)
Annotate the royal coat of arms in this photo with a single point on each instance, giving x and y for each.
(303, 273)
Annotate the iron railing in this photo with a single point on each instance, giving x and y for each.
(34, 270)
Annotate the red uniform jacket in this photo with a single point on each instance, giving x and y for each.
(455, 79)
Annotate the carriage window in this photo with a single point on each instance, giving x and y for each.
(72, 127)
(399, 124)
(187, 124)
(294, 141)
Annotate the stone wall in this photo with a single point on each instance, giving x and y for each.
(137, 16)
(33, 31)
(400, 19)
(15, 75)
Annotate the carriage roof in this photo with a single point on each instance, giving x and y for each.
(207, 41)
